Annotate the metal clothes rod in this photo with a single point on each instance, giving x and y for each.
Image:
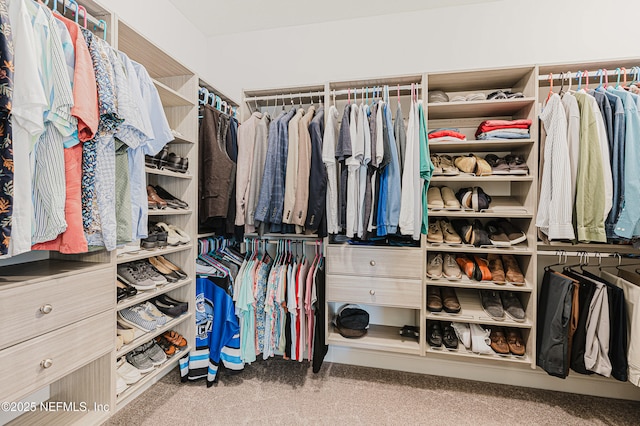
(284, 96)
(612, 74)
(293, 237)
(590, 254)
(392, 89)
(72, 6)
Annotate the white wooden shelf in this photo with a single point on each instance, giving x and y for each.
(464, 352)
(471, 312)
(499, 207)
(144, 295)
(170, 97)
(182, 139)
(163, 172)
(521, 248)
(463, 177)
(486, 108)
(147, 337)
(44, 270)
(168, 212)
(378, 337)
(131, 391)
(466, 282)
(480, 146)
(589, 247)
(144, 254)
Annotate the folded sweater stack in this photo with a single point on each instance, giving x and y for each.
(503, 129)
(440, 135)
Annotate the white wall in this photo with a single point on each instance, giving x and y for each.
(500, 33)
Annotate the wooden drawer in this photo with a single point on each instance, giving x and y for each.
(70, 299)
(71, 347)
(374, 262)
(400, 293)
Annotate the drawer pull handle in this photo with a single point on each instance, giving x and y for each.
(46, 363)
(372, 292)
(372, 263)
(46, 309)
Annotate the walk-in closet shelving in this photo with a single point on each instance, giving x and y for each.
(178, 90)
(513, 196)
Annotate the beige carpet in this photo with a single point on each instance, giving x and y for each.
(288, 393)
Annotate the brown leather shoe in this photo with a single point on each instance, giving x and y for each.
(152, 204)
(499, 340)
(515, 342)
(450, 301)
(467, 265)
(496, 268)
(434, 299)
(513, 273)
(153, 195)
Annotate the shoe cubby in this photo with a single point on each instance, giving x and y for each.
(384, 332)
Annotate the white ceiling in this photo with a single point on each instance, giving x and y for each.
(215, 17)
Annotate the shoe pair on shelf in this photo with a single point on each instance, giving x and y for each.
(171, 342)
(500, 233)
(443, 265)
(439, 333)
(167, 160)
(145, 316)
(439, 298)
(473, 198)
(442, 198)
(492, 268)
(124, 290)
(159, 198)
(140, 274)
(443, 165)
(146, 357)
(509, 165)
(126, 375)
(507, 340)
(162, 234)
(498, 303)
(442, 231)
(170, 306)
(472, 164)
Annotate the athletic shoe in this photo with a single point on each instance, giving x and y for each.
(154, 352)
(135, 277)
(140, 360)
(128, 372)
(151, 272)
(434, 265)
(449, 234)
(169, 348)
(139, 317)
(175, 338)
(491, 304)
(152, 310)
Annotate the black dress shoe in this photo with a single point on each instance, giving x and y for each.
(161, 158)
(449, 337)
(173, 163)
(434, 334)
(169, 198)
(168, 300)
(184, 165)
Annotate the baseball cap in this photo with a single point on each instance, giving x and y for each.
(352, 321)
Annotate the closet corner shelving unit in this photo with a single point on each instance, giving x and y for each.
(513, 197)
(178, 90)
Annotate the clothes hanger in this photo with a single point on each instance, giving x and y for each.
(104, 23)
(600, 74)
(618, 82)
(399, 94)
(64, 9)
(562, 259)
(624, 77)
(81, 8)
(586, 81)
(581, 259)
(579, 77)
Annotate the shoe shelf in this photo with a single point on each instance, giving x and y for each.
(170, 97)
(479, 146)
(464, 352)
(182, 139)
(145, 295)
(144, 254)
(169, 212)
(499, 207)
(163, 172)
(471, 312)
(463, 177)
(466, 282)
(485, 108)
(522, 248)
(130, 392)
(150, 335)
(378, 337)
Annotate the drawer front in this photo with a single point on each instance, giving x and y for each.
(400, 293)
(374, 262)
(22, 366)
(67, 300)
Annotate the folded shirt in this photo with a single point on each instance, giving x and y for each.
(450, 133)
(499, 134)
(489, 125)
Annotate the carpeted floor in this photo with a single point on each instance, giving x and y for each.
(288, 393)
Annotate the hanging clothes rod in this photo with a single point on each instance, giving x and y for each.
(293, 237)
(612, 73)
(83, 18)
(285, 96)
(392, 89)
(590, 254)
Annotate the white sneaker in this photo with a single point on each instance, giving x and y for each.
(128, 372)
(121, 385)
(131, 247)
(480, 340)
(463, 332)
